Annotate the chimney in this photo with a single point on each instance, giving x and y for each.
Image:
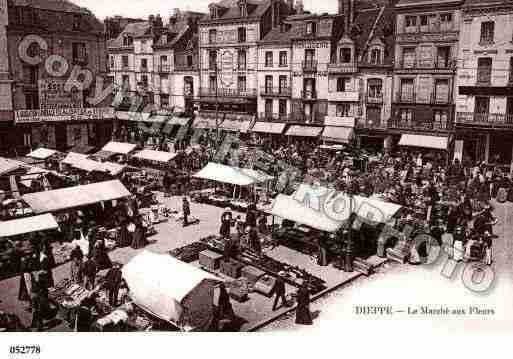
(176, 12)
(299, 7)
(290, 5)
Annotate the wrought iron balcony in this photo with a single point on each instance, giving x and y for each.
(164, 68)
(227, 92)
(405, 124)
(342, 68)
(274, 117)
(364, 123)
(275, 91)
(485, 119)
(309, 95)
(185, 67)
(376, 98)
(309, 66)
(405, 97)
(432, 64)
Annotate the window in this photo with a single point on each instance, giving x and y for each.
(27, 139)
(408, 59)
(424, 23)
(282, 107)
(484, 70)
(443, 55)
(124, 60)
(164, 100)
(406, 114)
(375, 56)
(342, 84)
(241, 34)
(487, 31)
(410, 23)
(79, 53)
(76, 22)
(282, 83)
(213, 12)
(144, 81)
(188, 86)
(25, 16)
(268, 59)
(375, 88)
(269, 107)
(442, 91)
(212, 60)
(189, 61)
(144, 64)
(268, 84)
(212, 36)
(242, 60)
(309, 56)
(125, 79)
(345, 55)
(440, 118)
(163, 60)
(407, 90)
(128, 41)
(310, 28)
(445, 22)
(241, 83)
(31, 100)
(212, 83)
(111, 62)
(243, 10)
(343, 110)
(511, 69)
(283, 58)
(482, 105)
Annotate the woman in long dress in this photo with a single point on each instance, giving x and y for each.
(303, 314)
(100, 255)
(26, 279)
(123, 235)
(139, 238)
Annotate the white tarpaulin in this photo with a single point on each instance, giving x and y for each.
(159, 156)
(171, 289)
(269, 127)
(438, 143)
(119, 147)
(338, 134)
(7, 165)
(259, 176)
(78, 196)
(19, 226)
(303, 131)
(42, 153)
(236, 125)
(112, 168)
(225, 174)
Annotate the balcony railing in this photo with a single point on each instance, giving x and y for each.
(348, 96)
(309, 95)
(314, 119)
(365, 123)
(274, 117)
(374, 98)
(143, 69)
(405, 97)
(224, 92)
(427, 65)
(185, 67)
(342, 68)
(405, 124)
(164, 68)
(275, 91)
(484, 119)
(309, 66)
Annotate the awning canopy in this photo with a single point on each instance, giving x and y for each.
(235, 125)
(19, 226)
(73, 157)
(207, 123)
(7, 165)
(178, 121)
(225, 174)
(86, 164)
(132, 116)
(112, 168)
(172, 290)
(338, 134)
(42, 153)
(304, 131)
(259, 176)
(78, 196)
(119, 147)
(156, 119)
(83, 149)
(103, 155)
(269, 127)
(434, 142)
(159, 156)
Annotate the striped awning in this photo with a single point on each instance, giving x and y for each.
(424, 141)
(304, 131)
(338, 134)
(269, 127)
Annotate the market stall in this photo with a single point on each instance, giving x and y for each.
(122, 148)
(172, 290)
(42, 153)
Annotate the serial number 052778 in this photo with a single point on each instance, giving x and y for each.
(25, 349)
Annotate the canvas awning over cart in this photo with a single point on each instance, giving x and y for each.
(159, 156)
(42, 153)
(119, 147)
(77, 196)
(172, 290)
(225, 174)
(19, 226)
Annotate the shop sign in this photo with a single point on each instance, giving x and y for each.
(63, 114)
(340, 121)
(52, 94)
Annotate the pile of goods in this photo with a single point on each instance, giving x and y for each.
(189, 253)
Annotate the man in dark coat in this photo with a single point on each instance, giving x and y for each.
(279, 292)
(186, 209)
(166, 182)
(112, 283)
(303, 315)
(90, 269)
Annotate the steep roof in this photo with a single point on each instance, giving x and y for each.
(277, 36)
(406, 3)
(52, 5)
(256, 8)
(135, 29)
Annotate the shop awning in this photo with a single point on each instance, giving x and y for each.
(434, 142)
(132, 116)
(112, 168)
(156, 119)
(103, 155)
(304, 131)
(84, 149)
(269, 127)
(85, 164)
(235, 125)
(178, 121)
(119, 147)
(225, 174)
(73, 157)
(338, 134)
(159, 156)
(78, 196)
(25, 225)
(259, 176)
(207, 123)
(7, 165)
(171, 290)
(42, 153)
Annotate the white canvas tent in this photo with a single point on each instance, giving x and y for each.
(225, 174)
(119, 147)
(27, 225)
(172, 290)
(42, 153)
(159, 156)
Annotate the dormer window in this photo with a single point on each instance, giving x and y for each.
(345, 55)
(243, 8)
(375, 56)
(310, 28)
(213, 12)
(128, 41)
(76, 21)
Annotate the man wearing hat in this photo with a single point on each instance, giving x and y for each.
(113, 282)
(186, 209)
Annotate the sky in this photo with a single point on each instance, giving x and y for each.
(143, 8)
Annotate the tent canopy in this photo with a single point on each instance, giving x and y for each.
(159, 156)
(259, 176)
(304, 131)
(78, 196)
(84, 149)
(207, 123)
(42, 153)
(434, 142)
(236, 125)
(168, 288)
(225, 174)
(119, 147)
(269, 127)
(338, 134)
(7, 165)
(112, 168)
(19, 226)
(73, 157)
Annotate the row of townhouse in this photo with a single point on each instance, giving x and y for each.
(380, 73)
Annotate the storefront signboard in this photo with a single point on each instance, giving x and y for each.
(63, 115)
(52, 95)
